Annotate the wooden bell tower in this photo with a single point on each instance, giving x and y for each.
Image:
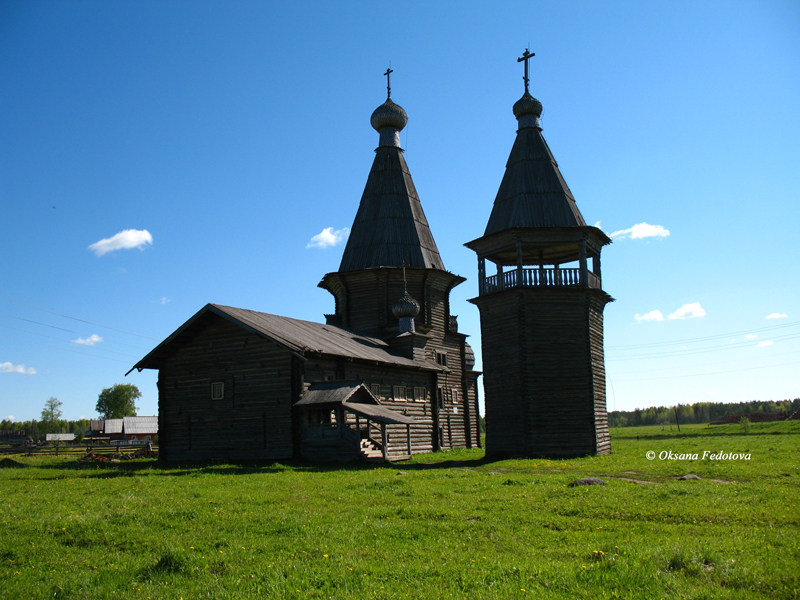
(541, 308)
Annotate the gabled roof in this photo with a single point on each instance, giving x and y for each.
(113, 425)
(296, 336)
(380, 414)
(533, 192)
(140, 425)
(390, 227)
(335, 392)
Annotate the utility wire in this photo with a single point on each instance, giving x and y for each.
(707, 338)
(52, 312)
(66, 349)
(62, 329)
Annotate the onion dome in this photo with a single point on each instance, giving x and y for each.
(389, 114)
(528, 110)
(388, 120)
(469, 356)
(405, 307)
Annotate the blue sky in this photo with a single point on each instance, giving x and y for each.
(217, 139)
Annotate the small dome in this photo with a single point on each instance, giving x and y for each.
(469, 356)
(527, 105)
(405, 307)
(389, 114)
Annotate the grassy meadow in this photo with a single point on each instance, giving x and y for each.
(444, 525)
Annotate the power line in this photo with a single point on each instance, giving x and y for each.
(62, 329)
(68, 341)
(688, 352)
(52, 312)
(66, 349)
(714, 373)
(707, 338)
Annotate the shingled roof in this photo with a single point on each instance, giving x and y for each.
(299, 337)
(390, 228)
(533, 192)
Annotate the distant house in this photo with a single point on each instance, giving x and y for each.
(139, 430)
(112, 429)
(60, 437)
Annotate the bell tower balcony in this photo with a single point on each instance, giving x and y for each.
(567, 257)
(539, 277)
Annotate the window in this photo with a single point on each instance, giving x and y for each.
(375, 388)
(217, 390)
(455, 397)
(147, 438)
(420, 394)
(400, 393)
(441, 358)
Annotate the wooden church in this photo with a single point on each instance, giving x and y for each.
(387, 375)
(541, 308)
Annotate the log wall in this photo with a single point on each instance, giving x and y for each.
(544, 372)
(254, 418)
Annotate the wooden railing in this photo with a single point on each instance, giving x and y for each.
(535, 276)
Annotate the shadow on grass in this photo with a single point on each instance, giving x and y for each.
(156, 468)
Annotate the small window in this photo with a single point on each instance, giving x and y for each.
(420, 394)
(455, 397)
(133, 438)
(375, 388)
(441, 358)
(147, 438)
(217, 390)
(400, 393)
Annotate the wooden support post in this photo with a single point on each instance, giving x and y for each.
(556, 274)
(481, 275)
(542, 274)
(384, 444)
(358, 430)
(596, 264)
(584, 282)
(519, 263)
(408, 437)
(500, 283)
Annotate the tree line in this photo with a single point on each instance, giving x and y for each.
(699, 412)
(115, 402)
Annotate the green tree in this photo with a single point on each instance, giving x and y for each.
(51, 411)
(118, 401)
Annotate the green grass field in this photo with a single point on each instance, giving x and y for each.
(445, 525)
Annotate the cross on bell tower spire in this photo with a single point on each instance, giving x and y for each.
(526, 56)
(389, 82)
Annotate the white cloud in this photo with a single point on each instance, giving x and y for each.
(10, 418)
(764, 344)
(598, 224)
(733, 340)
(750, 336)
(130, 238)
(328, 237)
(653, 315)
(90, 341)
(164, 300)
(777, 316)
(7, 367)
(642, 230)
(688, 311)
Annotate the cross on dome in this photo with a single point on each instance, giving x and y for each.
(526, 56)
(389, 82)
